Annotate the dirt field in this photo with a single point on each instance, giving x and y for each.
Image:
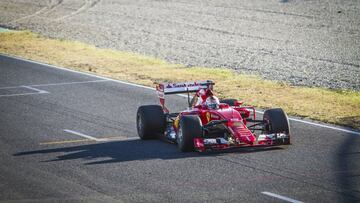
(312, 43)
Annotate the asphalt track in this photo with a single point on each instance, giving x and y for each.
(66, 136)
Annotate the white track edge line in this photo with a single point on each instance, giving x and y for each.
(24, 94)
(67, 83)
(53, 84)
(100, 139)
(82, 135)
(150, 88)
(10, 87)
(281, 197)
(325, 126)
(75, 71)
(35, 89)
(320, 125)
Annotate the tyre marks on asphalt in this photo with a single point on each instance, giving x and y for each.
(29, 16)
(252, 9)
(86, 6)
(199, 26)
(51, 5)
(274, 53)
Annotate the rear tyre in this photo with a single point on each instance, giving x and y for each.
(276, 121)
(230, 102)
(150, 121)
(190, 127)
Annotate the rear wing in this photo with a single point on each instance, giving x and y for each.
(183, 87)
(178, 88)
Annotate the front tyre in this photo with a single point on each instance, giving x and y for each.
(276, 121)
(190, 127)
(150, 121)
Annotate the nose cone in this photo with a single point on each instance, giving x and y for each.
(243, 134)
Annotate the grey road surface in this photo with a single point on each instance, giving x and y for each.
(66, 136)
(312, 43)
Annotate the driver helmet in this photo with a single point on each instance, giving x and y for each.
(212, 102)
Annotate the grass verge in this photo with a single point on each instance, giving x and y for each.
(340, 107)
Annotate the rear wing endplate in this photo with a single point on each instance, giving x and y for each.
(178, 88)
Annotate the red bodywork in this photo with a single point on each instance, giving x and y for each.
(242, 136)
(234, 117)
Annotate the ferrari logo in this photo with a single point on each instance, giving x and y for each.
(208, 116)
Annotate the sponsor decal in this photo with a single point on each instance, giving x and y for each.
(176, 122)
(185, 86)
(210, 141)
(215, 141)
(177, 85)
(193, 84)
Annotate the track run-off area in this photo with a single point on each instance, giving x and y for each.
(67, 135)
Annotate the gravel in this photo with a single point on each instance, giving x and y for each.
(310, 43)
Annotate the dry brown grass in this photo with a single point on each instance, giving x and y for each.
(332, 106)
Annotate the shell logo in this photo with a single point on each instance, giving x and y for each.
(176, 122)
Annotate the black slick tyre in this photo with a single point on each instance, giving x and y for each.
(150, 121)
(276, 121)
(190, 127)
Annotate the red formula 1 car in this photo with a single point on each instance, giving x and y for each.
(208, 124)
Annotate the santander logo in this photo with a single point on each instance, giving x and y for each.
(179, 85)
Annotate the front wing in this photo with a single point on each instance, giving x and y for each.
(205, 144)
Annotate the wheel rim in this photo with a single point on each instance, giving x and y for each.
(140, 125)
(180, 135)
